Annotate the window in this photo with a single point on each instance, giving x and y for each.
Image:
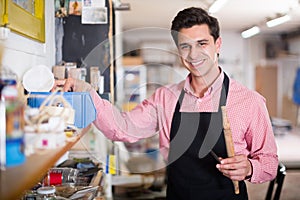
(25, 17)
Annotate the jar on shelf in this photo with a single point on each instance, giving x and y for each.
(46, 193)
(61, 176)
(30, 195)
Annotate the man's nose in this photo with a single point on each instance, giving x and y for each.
(195, 52)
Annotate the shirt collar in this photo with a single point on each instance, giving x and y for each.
(217, 84)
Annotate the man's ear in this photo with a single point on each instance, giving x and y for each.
(218, 44)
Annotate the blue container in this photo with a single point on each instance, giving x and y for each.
(14, 155)
(81, 102)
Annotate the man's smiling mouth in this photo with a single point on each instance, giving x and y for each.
(197, 63)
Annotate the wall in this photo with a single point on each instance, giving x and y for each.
(133, 39)
(294, 46)
(276, 76)
(233, 56)
(20, 53)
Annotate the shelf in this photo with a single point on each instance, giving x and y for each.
(15, 180)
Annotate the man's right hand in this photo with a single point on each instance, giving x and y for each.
(72, 85)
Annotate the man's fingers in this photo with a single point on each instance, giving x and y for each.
(234, 159)
(235, 168)
(57, 84)
(69, 85)
(60, 82)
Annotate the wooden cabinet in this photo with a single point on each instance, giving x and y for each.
(267, 84)
(15, 180)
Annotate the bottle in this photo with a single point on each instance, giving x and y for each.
(46, 193)
(30, 195)
(7, 77)
(14, 107)
(94, 77)
(112, 169)
(12, 110)
(112, 160)
(61, 176)
(14, 113)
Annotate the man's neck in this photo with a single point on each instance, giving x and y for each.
(200, 84)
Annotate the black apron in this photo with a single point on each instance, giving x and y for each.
(191, 171)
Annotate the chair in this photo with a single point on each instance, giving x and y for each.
(281, 172)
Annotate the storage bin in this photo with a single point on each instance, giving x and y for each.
(81, 102)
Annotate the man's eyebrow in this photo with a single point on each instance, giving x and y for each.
(184, 43)
(188, 43)
(203, 40)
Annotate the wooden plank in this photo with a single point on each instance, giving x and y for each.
(229, 143)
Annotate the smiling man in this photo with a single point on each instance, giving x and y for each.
(199, 50)
(188, 119)
(191, 176)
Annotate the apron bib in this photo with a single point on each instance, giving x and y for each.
(191, 171)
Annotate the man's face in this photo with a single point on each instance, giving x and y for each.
(198, 50)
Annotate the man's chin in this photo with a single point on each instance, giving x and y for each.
(203, 71)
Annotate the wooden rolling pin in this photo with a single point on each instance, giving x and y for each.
(229, 143)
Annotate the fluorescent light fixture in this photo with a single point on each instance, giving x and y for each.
(279, 20)
(250, 32)
(123, 6)
(118, 5)
(216, 6)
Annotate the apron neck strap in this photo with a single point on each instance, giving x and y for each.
(224, 92)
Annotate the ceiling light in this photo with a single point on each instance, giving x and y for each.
(216, 6)
(118, 5)
(277, 21)
(123, 6)
(250, 32)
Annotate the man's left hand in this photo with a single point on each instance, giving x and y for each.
(236, 168)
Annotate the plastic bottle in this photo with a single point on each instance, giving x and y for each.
(14, 107)
(12, 111)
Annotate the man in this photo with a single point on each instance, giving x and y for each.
(186, 116)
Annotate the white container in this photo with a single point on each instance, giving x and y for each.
(46, 193)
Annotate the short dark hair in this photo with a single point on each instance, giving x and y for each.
(194, 16)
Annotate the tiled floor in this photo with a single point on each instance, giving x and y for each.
(290, 190)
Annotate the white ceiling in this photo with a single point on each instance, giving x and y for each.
(236, 15)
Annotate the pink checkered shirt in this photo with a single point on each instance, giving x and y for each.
(246, 109)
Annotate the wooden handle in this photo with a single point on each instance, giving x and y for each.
(229, 143)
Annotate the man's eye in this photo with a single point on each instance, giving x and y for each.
(202, 43)
(183, 47)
